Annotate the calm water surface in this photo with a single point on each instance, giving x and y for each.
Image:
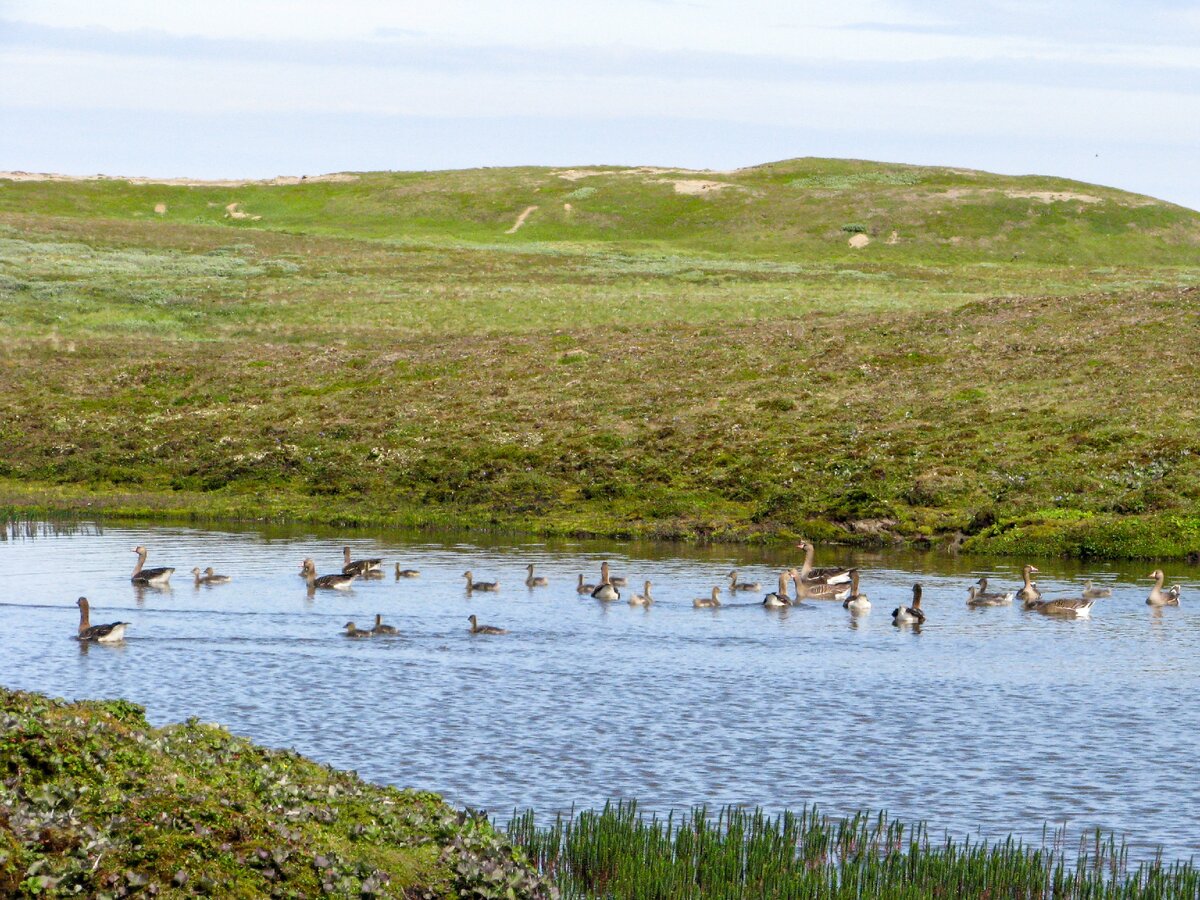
(987, 721)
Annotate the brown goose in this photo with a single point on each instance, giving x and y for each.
(780, 596)
(473, 585)
(910, 615)
(353, 631)
(642, 599)
(810, 574)
(1064, 606)
(708, 602)
(142, 575)
(821, 590)
(615, 580)
(991, 598)
(328, 582)
(534, 580)
(380, 628)
(103, 634)
(1029, 593)
(359, 566)
(735, 585)
(1159, 597)
(605, 590)
(582, 588)
(407, 573)
(1096, 593)
(208, 576)
(476, 628)
(856, 602)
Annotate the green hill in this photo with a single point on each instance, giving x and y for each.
(652, 352)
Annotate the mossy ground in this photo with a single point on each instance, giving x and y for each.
(1016, 369)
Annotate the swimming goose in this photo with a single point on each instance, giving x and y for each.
(1095, 593)
(104, 634)
(810, 574)
(780, 596)
(582, 588)
(820, 590)
(605, 590)
(1159, 597)
(380, 628)
(535, 581)
(856, 602)
(708, 602)
(642, 599)
(1029, 593)
(473, 585)
(407, 573)
(208, 576)
(1064, 606)
(149, 576)
(476, 628)
(353, 631)
(359, 566)
(615, 580)
(328, 582)
(910, 615)
(976, 597)
(735, 585)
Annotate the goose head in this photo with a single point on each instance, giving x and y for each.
(916, 596)
(209, 571)
(196, 571)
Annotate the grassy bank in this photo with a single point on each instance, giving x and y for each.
(1014, 370)
(95, 803)
(736, 853)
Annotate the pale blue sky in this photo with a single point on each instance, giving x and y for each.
(1103, 91)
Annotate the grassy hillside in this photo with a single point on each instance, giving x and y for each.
(1015, 367)
(95, 803)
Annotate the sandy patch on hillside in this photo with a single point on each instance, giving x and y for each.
(521, 219)
(160, 208)
(695, 187)
(576, 174)
(894, 238)
(179, 182)
(1042, 196)
(235, 211)
(859, 241)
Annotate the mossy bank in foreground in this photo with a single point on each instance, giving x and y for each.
(96, 803)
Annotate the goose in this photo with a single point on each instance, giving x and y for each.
(605, 590)
(735, 585)
(990, 598)
(780, 596)
(535, 580)
(582, 588)
(825, 574)
(330, 582)
(407, 573)
(359, 566)
(149, 576)
(820, 590)
(708, 602)
(642, 599)
(910, 615)
(1064, 606)
(353, 631)
(476, 628)
(380, 628)
(1159, 597)
(856, 602)
(208, 576)
(614, 580)
(473, 585)
(976, 597)
(104, 634)
(1029, 593)
(1095, 593)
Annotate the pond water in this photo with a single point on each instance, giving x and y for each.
(984, 721)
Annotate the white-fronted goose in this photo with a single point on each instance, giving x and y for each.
(810, 574)
(1159, 597)
(910, 615)
(535, 580)
(103, 634)
(359, 566)
(582, 588)
(735, 585)
(642, 599)
(821, 590)
(476, 628)
(708, 602)
(780, 596)
(856, 602)
(353, 631)
(1029, 593)
(327, 582)
(1095, 593)
(380, 628)
(473, 585)
(208, 576)
(407, 573)
(1064, 606)
(976, 597)
(142, 575)
(605, 590)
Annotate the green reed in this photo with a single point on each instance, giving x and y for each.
(621, 852)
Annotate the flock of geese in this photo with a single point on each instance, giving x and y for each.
(810, 583)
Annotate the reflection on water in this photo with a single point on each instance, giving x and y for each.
(984, 720)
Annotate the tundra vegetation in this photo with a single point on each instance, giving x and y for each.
(847, 350)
